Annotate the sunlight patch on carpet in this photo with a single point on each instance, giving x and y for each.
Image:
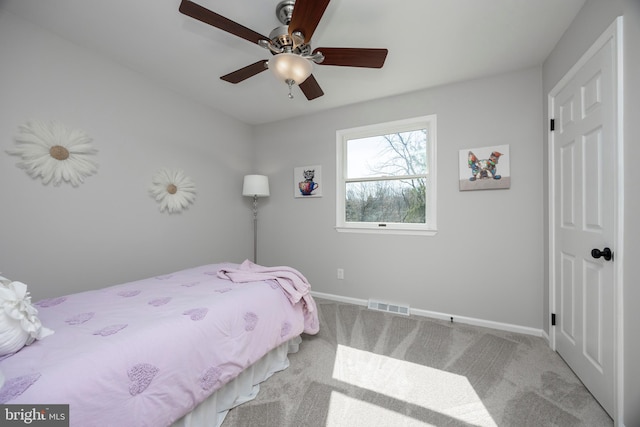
(345, 410)
(441, 392)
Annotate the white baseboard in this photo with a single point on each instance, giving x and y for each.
(339, 298)
(444, 316)
(546, 337)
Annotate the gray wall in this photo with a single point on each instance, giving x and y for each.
(60, 240)
(486, 260)
(593, 19)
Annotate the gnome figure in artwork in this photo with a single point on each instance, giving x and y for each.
(486, 168)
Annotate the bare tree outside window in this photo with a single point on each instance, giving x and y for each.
(387, 178)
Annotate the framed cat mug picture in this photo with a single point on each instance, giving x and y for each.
(307, 181)
(485, 168)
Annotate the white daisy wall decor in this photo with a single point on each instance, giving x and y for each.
(173, 190)
(55, 153)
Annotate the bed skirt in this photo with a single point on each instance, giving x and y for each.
(243, 388)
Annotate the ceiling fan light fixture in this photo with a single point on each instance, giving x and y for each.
(290, 67)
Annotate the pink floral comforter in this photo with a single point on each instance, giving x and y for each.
(147, 352)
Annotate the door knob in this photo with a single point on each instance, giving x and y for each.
(605, 253)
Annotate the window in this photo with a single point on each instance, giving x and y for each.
(386, 177)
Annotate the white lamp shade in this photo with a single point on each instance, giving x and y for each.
(289, 66)
(255, 185)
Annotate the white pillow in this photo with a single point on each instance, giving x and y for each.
(19, 325)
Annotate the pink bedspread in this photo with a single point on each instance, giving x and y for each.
(147, 352)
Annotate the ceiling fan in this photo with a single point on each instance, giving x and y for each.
(290, 45)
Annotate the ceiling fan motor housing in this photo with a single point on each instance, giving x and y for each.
(281, 39)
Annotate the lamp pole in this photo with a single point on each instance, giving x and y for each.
(255, 228)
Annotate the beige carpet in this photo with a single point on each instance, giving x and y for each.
(367, 368)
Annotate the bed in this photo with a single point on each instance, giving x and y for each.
(178, 349)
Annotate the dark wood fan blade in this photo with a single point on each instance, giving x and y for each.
(311, 88)
(200, 13)
(353, 57)
(306, 16)
(245, 72)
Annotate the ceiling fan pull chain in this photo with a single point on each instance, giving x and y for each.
(290, 83)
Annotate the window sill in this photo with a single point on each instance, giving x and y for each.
(368, 230)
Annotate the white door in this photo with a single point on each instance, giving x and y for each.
(583, 214)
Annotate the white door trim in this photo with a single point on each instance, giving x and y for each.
(615, 33)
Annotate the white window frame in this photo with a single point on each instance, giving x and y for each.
(429, 228)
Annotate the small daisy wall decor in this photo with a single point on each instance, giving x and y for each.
(55, 153)
(172, 189)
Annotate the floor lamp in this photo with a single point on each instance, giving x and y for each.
(255, 186)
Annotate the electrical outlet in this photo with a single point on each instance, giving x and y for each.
(341, 273)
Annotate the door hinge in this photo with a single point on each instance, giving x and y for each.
(553, 319)
(552, 125)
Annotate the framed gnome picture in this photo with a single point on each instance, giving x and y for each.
(485, 168)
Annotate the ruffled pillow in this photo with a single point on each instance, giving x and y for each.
(19, 325)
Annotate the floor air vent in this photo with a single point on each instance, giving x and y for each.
(389, 308)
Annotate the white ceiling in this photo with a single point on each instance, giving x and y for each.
(430, 43)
